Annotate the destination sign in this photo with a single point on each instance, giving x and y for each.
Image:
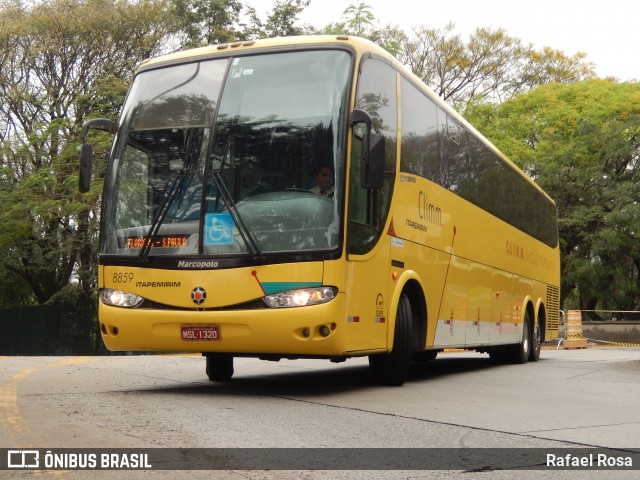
(159, 241)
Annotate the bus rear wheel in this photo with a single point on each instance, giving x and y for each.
(519, 353)
(219, 366)
(393, 368)
(536, 342)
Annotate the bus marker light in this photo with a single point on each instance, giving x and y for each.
(324, 331)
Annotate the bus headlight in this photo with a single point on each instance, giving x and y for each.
(301, 298)
(119, 298)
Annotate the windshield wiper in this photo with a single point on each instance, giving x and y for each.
(230, 205)
(193, 140)
(157, 222)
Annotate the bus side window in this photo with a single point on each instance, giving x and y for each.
(420, 151)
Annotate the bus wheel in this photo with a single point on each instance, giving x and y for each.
(393, 368)
(520, 352)
(219, 367)
(536, 343)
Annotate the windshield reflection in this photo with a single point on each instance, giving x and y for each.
(246, 186)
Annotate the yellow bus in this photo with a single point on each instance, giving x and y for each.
(309, 197)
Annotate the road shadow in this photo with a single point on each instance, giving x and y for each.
(331, 379)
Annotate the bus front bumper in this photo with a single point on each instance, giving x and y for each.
(319, 330)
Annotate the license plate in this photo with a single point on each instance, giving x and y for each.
(203, 332)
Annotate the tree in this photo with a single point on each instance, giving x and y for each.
(581, 143)
(61, 62)
(207, 22)
(491, 66)
(210, 22)
(285, 13)
(280, 22)
(254, 28)
(14, 291)
(359, 19)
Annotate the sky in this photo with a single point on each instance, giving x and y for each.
(604, 30)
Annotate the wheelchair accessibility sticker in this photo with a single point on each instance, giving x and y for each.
(218, 229)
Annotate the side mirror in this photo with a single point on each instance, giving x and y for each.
(373, 153)
(373, 166)
(86, 155)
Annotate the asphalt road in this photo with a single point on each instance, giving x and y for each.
(570, 399)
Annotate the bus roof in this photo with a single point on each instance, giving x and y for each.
(358, 44)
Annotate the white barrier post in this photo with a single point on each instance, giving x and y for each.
(574, 331)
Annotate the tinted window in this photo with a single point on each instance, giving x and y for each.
(420, 152)
(435, 146)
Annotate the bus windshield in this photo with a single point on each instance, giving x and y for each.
(235, 156)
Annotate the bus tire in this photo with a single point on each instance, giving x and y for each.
(219, 367)
(536, 342)
(393, 368)
(519, 353)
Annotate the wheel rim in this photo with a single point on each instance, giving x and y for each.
(526, 345)
(537, 336)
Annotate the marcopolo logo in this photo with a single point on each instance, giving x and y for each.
(203, 264)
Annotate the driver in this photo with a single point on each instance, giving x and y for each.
(323, 182)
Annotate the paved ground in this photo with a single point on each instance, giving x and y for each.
(571, 398)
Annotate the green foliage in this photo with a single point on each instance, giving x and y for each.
(280, 22)
(581, 143)
(285, 13)
(359, 19)
(61, 61)
(489, 66)
(207, 22)
(14, 291)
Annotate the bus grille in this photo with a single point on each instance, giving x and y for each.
(553, 307)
